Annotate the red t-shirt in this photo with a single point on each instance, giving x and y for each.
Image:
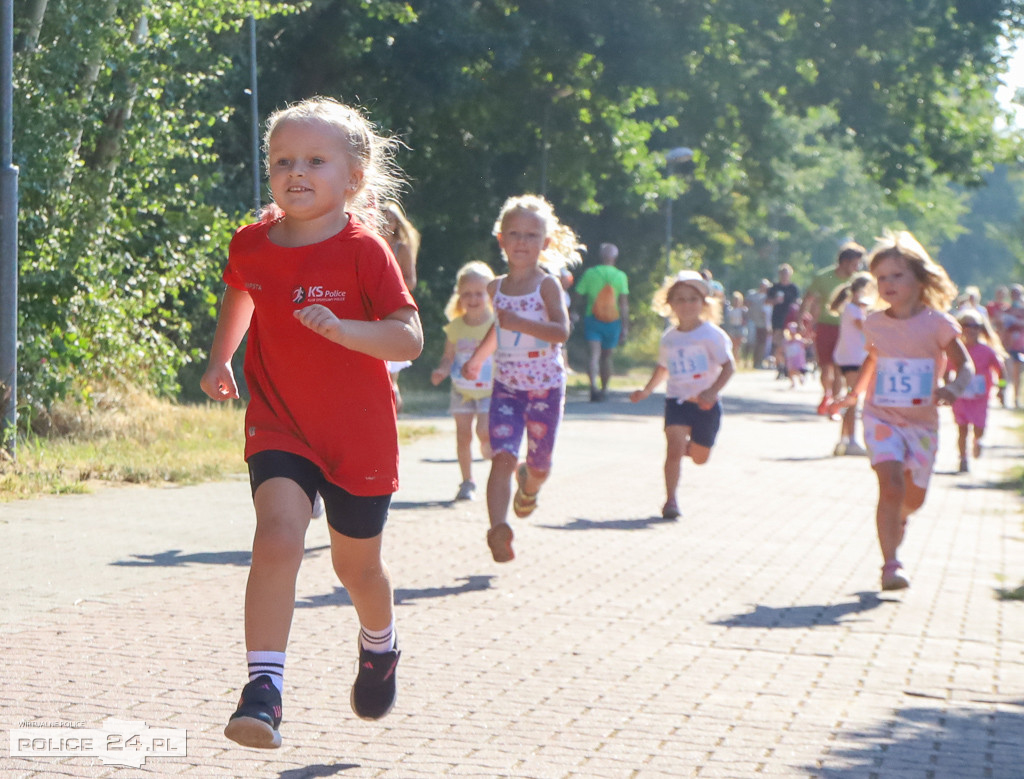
(308, 395)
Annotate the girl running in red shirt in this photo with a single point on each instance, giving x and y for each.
(325, 306)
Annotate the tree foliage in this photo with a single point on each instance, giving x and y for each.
(811, 120)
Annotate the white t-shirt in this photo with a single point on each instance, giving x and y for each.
(850, 348)
(694, 359)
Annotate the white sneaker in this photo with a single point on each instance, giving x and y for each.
(855, 450)
(318, 507)
(467, 491)
(840, 449)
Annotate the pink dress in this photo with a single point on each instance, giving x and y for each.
(971, 408)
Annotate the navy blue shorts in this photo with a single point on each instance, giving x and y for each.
(703, 424)
(355, 516)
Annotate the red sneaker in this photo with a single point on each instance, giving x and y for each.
(823, 407)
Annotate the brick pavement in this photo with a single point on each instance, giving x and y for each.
(746, 639)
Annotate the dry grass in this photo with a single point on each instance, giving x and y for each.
(133, 439)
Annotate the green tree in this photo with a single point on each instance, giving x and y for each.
(117, 104)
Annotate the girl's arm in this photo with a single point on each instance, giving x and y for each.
(396, 337)
(556, 331)
(709, 397)
(486, 347)
(864, 379)
(444, 368)
(957, 354)
(659, 375)
(218, 381)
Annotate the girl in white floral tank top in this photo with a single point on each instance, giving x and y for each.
(522, 361)
(530, 327)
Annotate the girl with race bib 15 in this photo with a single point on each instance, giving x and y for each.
(908, 343)
(526, 340)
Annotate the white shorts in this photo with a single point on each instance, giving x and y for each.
(460, 404)
(912, 445)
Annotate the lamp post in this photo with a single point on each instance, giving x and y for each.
(677, 161)
(8, 237)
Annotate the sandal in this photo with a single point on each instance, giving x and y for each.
(523, 504)
(499, 539)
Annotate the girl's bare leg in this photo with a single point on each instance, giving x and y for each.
(464, 444)
(499, 487)
(677, 439)
(361, 569)
(282, 516)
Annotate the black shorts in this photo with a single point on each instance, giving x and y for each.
(355, 516)
(703, 424)
(848, 369)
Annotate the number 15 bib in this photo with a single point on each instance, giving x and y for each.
(903, 383)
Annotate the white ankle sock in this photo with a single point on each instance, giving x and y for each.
(378, 641)
(267, 663)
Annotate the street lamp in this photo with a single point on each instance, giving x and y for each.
(677, 161)
(8, 237)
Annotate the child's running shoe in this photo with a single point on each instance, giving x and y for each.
(256, 721)
(499, 539)
(467, 491)
(853, 449)
(670, 510)
(892, 579)
(375, 688)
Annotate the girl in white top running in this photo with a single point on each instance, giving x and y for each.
(851, 302)
(696, 357)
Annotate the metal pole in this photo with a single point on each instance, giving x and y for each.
(8, 236)
(257, 197)
(668, 238)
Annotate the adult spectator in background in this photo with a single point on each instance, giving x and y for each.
(404, 240)
(1013, 341)
(818, 303)
(604, 291)
(781, 295)
(757, 313)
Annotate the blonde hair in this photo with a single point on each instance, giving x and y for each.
(938, 290)
(405, 233)
(564, 248)
(987, 334)
(712, 306)
(848, 290)
(371, 153)
(471, 270)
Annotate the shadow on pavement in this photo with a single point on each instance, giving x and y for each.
(578, 523)
(803, 616)
(317, 771)
(778, 411)
(403, 596)
(174, 557)
(965, 742)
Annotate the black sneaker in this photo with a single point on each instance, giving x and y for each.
(258, 717)
(375, 689)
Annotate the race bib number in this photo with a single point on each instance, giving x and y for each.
(513, 345)
(903, 383)
(689, 363)
(483, 381)
(976, 389)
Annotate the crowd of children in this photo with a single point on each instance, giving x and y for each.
(324, 278)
